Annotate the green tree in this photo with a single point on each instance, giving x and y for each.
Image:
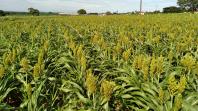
(82, 12)
(172, 9)
(108, 13)
(188, 4)
(156, 11)
(34, 12)
(2, 13)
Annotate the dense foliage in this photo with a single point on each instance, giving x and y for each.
(172, 9)
(2, 13)
(34, 12)
(94, 63)
(108, 13)
(82, 12)
(191, 5)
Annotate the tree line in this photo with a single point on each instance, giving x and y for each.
(184, 6)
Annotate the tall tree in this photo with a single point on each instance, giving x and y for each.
(188, 4)
(82, 12)
(2, 13)
(108, 13)
(172, 9)
(34, 12)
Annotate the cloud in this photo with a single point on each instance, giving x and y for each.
(14, 5)
(66, 5)
(90, 5)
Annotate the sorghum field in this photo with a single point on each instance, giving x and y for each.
(94, 63)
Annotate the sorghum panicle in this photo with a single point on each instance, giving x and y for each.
(182, 84)
(24, 63)
(90, 82)
(2, 71)
(172, 85)
(106, 89)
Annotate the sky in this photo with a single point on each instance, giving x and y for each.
(71, 6)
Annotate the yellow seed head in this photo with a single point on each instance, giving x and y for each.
(170, 55)
(36, 71)
(126, 54)
(90, 82)
(145, 68)
(124, 40)
(135, 63)
(114, 55)
(83, 62)
(29, 90)
(182, 84)
(40, 56)
(188, 61)
(46, 45)
(75, 51)
(95, 39)
(195, 70)
(79, 51)
(177, 103)
(2, 71)
(118, 48)
(161, 95)
(14, 53)
(172, 85)
(7, 58)
(145, 71)
(100, 42)
(106, 89)
(66, 36)
(42, 67)
(103, 45)
(24, 64)
(156, 39)
(72, 45)
(159, 66)
(4, 59)
(153, 67)
(138, 61)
